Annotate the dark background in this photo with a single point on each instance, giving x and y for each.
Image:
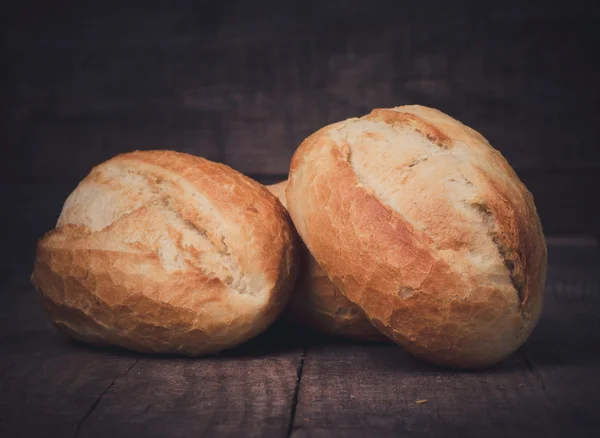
(244, 82)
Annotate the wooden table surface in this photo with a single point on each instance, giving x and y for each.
(287, 382)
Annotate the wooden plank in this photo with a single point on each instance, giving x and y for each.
(565, 201)
(564, 352)
(548, 388)
(373, 391)
(578, 241)
(53, 387)
(572, 260)
(246, 396)
(48, 386)
(85, 82)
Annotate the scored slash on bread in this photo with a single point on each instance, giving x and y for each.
(160, 251)
(422, 224)
(416, 229)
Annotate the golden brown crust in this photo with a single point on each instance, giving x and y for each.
(160, 251)
(418, 220)
(316, 303)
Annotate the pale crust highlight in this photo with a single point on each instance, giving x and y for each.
(159, 251)
(316, 302)
(427, 228)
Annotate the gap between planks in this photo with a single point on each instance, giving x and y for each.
(296, 392)
(94, 405)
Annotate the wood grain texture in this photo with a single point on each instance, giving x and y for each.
(220, 397)
(52, 387)
(48, 386)
(566, 201)
(548, 388)
(244, 83)
(270, 387)
(374, 392)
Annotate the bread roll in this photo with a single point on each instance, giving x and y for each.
(316, 303)
(419, 221)
(165, 252)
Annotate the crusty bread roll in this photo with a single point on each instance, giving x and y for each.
(165, 252)
(425, 226)
(316, 303)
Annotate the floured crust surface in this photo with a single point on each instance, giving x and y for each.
(426, 227)
(159, 251)
(316, 303)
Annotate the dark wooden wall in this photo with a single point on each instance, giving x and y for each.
(244, 82)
